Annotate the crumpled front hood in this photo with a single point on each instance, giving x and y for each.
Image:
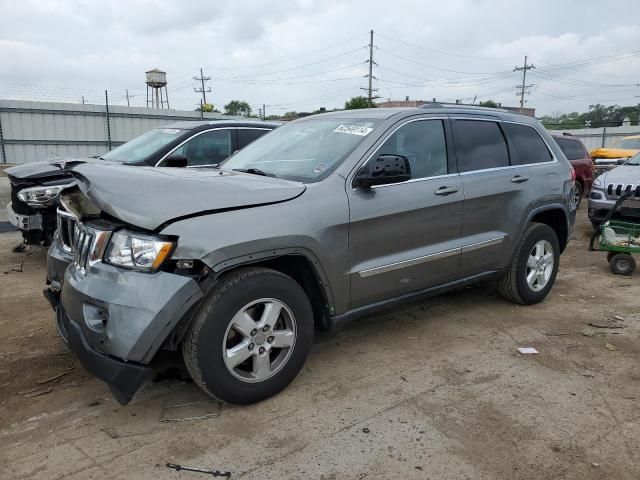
(149, 197)
(38, 172)
(612, 153)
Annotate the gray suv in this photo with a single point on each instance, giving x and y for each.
(322, 220)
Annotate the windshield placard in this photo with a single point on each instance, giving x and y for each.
(354, 130)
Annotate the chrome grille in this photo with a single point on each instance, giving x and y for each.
(66, 230)
(616, 190)
(82, 246)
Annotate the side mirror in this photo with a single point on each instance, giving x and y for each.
(176, 160)
(382, 170)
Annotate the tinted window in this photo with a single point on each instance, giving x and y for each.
(208, 148)
(423, 144)
(143, 146)
(528, 146)
(248, 135)
(572, 149)
(480, 145)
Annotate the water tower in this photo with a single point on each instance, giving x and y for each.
(156, 81)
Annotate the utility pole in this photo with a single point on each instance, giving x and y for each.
(524, 87)
(202, 90)
(370, 76)
(83, 99)
(106, 103)
(264, 112)
(638, 96)
(127, 95)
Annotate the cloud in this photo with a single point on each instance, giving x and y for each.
(63, 49)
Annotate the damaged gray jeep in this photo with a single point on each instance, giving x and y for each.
(325, 219)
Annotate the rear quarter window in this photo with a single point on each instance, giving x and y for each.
(479, 145)
(527, 145)
(572, 149)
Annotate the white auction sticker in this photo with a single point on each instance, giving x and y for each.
(171, 131)
(354, 130)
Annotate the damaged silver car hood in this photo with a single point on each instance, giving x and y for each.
(150, 197)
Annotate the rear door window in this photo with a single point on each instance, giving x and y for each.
(479, 145)
(572, 149)
(527, 145)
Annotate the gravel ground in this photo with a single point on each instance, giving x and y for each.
(433, 390)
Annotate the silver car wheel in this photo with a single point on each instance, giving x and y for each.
(540, 265)
(259, 340)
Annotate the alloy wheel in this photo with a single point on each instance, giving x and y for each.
(540, 265)
(259, 340)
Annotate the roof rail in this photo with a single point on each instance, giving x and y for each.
(461, 106)
(431, 105)
(568, 134)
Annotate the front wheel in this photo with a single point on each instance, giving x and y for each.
(534, 267)
(622, 264)
(250, 337)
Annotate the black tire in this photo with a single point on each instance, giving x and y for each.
(610, 255)
(513, 284)
(202, 348)
(579, 193)
(622, 264)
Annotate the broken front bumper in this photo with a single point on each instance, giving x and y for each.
(24, 222)
(57, 262)
(124, 315)
(123, 378)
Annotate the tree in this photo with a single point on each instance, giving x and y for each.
(207, 107)
(489, 103)
(237, 107)
(358, 102)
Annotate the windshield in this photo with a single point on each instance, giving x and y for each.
(635, 160)
(305, 151)
(628, 143)
(141, 147)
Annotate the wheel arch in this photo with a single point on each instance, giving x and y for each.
(297, 263)
(555, 217)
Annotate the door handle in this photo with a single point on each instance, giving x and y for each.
(446, 190)
(519, 179)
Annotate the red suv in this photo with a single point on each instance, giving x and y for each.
(577, 154)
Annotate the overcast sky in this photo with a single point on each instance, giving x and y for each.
(302, 55)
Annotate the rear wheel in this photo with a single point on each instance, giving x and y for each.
(578, 193)
(251, 336)
(622, 264)
(533, 270)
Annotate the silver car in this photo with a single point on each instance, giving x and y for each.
(325, 219)
(608, 187)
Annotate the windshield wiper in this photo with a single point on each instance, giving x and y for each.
(254, 171)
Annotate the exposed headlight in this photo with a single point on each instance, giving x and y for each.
(40, 196)
(598, 181)
(134, 250)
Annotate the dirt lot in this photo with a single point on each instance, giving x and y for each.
(434, 390)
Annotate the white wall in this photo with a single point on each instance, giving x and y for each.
(35, 131)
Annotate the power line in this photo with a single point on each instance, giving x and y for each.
(451, 54)
(253, 75)
(329, 47)
(434, 67)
